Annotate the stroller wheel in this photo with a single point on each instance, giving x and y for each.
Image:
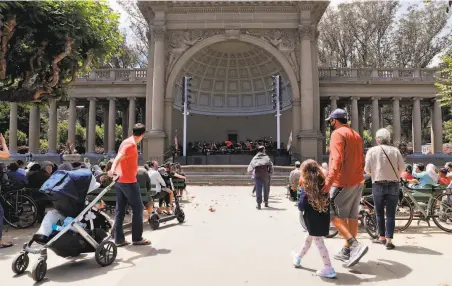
(39, 270)
(20, 263)
(180, 216)
(154, 221)
(106, 253)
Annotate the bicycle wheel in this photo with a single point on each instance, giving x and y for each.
(404, 214)
(21, 211)
(370, 224)
(441, 211)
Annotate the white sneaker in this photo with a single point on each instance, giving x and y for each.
(326, 273)
(296, 260)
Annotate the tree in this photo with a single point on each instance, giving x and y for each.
(138, 26)
(126, 56)
(368, 34)
(44, 44)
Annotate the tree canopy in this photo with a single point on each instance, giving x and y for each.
(44, 44)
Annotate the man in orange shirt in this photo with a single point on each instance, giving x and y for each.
(345, 183)
(125, 166)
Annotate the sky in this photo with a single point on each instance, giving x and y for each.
(125, 23)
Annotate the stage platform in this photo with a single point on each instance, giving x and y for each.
(232, 159)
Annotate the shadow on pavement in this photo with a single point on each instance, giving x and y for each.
(270, 208)
(382, 270)
(417, 250)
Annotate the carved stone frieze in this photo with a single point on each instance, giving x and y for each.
(178, 42)
(307, 31)
(286, 41)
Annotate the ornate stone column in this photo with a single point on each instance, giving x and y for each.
(53, 125)
(33, 129)
(396, 125)
(361, 119)
(334, 100)
(296, 123)
(375, 118)
(158, 94)
(323, 128)
(150, 81)
(156, 143)
(106, 126)
(355, 115)
(72, 120)
(13, 128)
(310, 137)
(132, 114)
(437, 127)
(417, 127)
(125, 122)
(92, 126)
(111, 125)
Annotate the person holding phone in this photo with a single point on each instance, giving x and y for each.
(3, 154)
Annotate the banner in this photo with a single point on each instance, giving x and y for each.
(289, 143)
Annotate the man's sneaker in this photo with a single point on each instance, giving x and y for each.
(327, 272)
(258, 206)
(266, 205)
(343, 255)
(296, 260)
(357, 251)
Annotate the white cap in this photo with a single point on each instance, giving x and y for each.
(297, 163)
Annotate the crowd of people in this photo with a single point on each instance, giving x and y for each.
(231, 147)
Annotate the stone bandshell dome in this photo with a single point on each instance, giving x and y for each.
(230, 79)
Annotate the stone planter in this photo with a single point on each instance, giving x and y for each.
(71, 158)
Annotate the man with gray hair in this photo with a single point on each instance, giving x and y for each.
(385, 163)
(294, 177)
(262, 166)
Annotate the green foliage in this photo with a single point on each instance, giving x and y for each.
(80, 135)
(43, 146)
(21, 137)
(91, 24)
(445, 83)
(448, 130)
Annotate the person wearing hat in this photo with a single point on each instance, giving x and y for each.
(345, 183)
(294, 177)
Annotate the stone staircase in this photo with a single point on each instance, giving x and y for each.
(230, 175)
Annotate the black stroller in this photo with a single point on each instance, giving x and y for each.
(68, 191)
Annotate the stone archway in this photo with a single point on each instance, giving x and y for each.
(245, 38)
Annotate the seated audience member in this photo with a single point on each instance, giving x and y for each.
(21, 165)
(406, 175)
(65, 167)
(36, 178)
(425, 176)
(76, 165)
(443, 179)
(16, 177)
(157, 180)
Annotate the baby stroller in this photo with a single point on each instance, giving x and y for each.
(68, 191)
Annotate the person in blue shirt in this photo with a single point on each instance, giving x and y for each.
(16, 176)
(424, 176)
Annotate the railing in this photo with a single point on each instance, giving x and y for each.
(382, 74)
(325, 74)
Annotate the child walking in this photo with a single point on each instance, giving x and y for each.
(316, 207)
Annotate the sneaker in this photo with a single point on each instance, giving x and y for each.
(296, 260)
(258, 206)
(343, 255)
(357, 251)
(266, 205)
(390, 246)
(327, 272)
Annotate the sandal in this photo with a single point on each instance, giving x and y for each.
(6, 245)
(125, 243)
(142, 242)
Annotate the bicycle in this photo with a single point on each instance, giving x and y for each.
(20, 210)
(404, 208)
(438, 207)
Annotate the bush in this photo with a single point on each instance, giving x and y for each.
(43, 146)
(23, 149)
(21, 137)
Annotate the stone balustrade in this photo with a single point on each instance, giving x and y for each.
(325, 74)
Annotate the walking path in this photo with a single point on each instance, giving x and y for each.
(239, 245)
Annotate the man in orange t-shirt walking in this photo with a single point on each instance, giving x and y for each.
(125, 166)
(345, 183)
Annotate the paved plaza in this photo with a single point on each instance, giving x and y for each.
(234, 244)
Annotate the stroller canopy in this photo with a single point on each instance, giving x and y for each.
(71, 184)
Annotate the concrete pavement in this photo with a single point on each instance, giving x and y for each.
(239, 245)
